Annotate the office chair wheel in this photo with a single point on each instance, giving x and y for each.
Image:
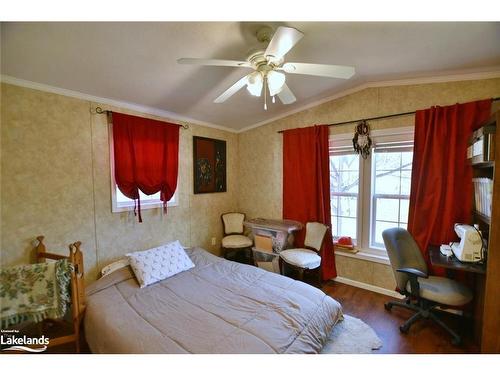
(404, 328)
(387, 306)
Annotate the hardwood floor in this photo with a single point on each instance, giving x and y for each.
(424, 337)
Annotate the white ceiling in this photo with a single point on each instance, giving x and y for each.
(136, 62)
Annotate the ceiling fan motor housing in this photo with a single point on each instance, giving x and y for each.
(260, 62)
(264, 34)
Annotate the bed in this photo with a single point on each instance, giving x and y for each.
(218, 306)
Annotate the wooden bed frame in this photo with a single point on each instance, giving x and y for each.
(77, 289)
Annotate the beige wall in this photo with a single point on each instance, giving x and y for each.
(55, 177)
(55, 180)
(260, 149)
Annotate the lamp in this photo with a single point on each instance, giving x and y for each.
(275, 82)
(255, 83)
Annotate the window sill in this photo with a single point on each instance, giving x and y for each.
(144, 206)
(364, 255)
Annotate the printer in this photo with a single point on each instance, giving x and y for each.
(470, 247)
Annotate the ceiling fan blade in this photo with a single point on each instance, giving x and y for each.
(283, 40)
(286, 95)
(214, 62)
(322, 70)
(232, 90)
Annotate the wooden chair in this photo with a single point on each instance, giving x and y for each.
(307, 258)
(77, 290)
(234, 238)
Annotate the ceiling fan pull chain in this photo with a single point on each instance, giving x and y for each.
(265, 93)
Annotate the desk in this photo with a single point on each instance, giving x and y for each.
(452, 263)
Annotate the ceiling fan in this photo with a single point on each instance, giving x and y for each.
(270, 68)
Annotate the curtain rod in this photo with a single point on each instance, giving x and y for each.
(378, 117)
(100, 111)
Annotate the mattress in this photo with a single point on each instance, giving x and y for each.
(218, 306)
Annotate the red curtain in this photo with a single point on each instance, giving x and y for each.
(146, 157)
(441, 179)
(306, 186)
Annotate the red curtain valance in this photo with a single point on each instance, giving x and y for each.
(146, 157)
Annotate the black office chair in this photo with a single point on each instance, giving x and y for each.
(423, 292)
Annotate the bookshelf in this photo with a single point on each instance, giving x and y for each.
(487, 310)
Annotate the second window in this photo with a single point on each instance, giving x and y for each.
(370, 195)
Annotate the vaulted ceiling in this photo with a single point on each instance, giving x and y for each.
(136, 62)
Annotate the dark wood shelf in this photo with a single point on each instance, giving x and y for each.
(484, 164)
(485, 219)
(487, 308)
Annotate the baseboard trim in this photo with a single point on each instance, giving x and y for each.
(372, 288)
(387, 292)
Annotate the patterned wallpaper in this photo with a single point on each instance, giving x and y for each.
(260, 149)
(55, 181)
(55, 175)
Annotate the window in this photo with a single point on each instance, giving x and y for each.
(344, 191)
(370, 195)
(390, 196)
(120, 203)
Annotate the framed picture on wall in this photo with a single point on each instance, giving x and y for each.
(209, 164)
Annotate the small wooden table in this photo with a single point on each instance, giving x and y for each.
(451, 263)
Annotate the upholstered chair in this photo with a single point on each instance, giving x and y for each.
(308, 258)
(234, 239)
(423, 292)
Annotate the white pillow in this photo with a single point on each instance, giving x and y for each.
(153, 265)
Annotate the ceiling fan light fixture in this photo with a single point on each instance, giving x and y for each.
(255, 83)
(275, 82)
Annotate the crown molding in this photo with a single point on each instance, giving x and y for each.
(112, 102)
(373, 84)
(180, 118)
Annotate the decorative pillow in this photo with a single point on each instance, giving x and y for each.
(153, 265)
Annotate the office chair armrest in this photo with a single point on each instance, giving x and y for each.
(413, 272)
